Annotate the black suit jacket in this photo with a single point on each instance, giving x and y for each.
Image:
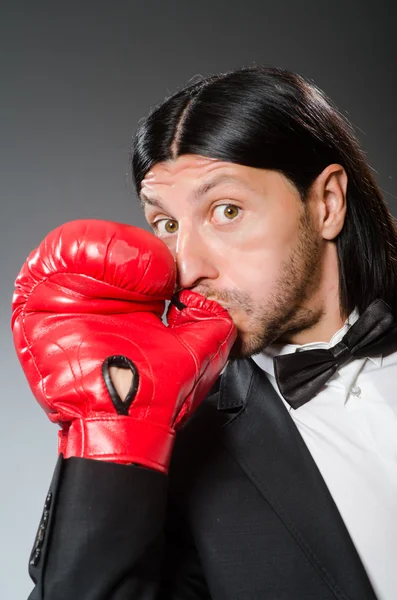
(244, 515)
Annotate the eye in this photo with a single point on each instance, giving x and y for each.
(164, 227)
(225, 212)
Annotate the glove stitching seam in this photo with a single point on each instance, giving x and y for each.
(145, 271)
(89, 277)
(107, 252)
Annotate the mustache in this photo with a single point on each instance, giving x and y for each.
(233, 298)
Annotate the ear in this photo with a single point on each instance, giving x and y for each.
(328, 193)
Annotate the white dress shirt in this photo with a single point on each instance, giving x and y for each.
(350, 429)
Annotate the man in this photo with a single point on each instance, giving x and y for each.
(282, 483)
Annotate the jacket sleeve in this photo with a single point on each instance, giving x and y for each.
(108, 533)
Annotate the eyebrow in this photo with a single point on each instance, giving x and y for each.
(145, 200)
(203, 189)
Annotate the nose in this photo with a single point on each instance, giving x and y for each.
(194, 259)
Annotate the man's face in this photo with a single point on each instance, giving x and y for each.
(241, 236)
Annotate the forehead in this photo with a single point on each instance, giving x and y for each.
(193, 171)
(186, 166)
(193, 176)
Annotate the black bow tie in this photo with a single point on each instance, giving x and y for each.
(301, 375)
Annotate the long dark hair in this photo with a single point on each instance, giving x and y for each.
(270, 118)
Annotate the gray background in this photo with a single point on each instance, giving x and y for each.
(76, 77)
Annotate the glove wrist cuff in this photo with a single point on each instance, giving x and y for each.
(119, 439)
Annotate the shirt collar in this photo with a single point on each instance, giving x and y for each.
(264, 359)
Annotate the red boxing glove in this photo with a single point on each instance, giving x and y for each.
(92, 296)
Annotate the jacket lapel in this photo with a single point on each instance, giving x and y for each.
(268, 446)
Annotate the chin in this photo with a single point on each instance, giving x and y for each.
(249, 343)
(242, 347)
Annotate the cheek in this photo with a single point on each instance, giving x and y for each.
(253, 263)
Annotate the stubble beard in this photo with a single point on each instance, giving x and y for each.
(285, 310)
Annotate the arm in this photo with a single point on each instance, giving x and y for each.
(87, 301)
(107, 537)
(104, 538)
